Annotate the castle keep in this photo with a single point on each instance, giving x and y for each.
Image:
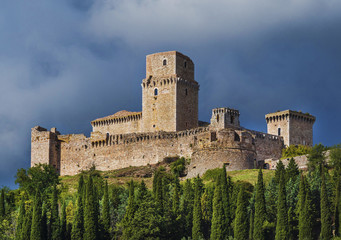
(168, 126)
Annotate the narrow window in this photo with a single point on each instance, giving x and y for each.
(156, 92)
(185, 64)
(232, 119)
(186, 91)
(217, 118)
(279, 131)
(164, 62)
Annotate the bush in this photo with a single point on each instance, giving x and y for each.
(178, 167)
(295, 150)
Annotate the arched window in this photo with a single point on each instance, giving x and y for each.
(156, 92)
(185, 64)
(279, 131)
(164, 62)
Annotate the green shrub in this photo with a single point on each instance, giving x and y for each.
(295, 150)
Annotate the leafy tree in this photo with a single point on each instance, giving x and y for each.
(295, 150)
(260, 209)
(282, 212)
(41, 177)
(178, 167)
(78, 221)
(106, 213)
(197, 214)
(326, 223)
(316, 157)
(292, 171)
(335, 158)
(36, 227)
(54, 220)
(241, 223)
(218, 214)
(90, 213)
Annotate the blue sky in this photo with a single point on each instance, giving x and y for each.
(64, 63)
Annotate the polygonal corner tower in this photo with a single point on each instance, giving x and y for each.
(296, 128)
(169, 93)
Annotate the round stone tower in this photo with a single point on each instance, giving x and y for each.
(169, 93)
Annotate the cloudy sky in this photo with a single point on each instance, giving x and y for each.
(64, 63)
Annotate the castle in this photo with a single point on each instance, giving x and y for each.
(168, 126)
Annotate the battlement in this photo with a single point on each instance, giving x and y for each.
(99, 140)
(169, 64)
(295, 127)
(289, 114)
(225, 117)
(167, 80)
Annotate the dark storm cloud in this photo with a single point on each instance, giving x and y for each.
(65, 63)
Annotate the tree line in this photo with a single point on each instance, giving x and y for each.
(294, 204)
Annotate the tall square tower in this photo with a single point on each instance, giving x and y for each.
(296, 128)
(169, 93)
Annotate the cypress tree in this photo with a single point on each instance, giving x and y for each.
(21, 219)
(337, 205)
(129, 215)
(326, 223)
(78, 220)
(26, 229)
(260, 209)
(90, 214)
(280, 169)
(197, 215)
(106, 213)
(241, 222)
(301, 197)
(187, 208)
(44, 227)
(218, 214)
(36, 227)
(251, 230)
(227, 230)
(54, 220)
(291, 224)
(282, 212)
(63, 224)
(207, 210)
(176, 197)
(305, 223)
(292, 171)
(2, 204)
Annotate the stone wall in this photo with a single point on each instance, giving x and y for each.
(267, 145)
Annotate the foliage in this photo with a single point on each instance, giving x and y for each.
(36, 227)
(218, 214)
(197, 214)
(282, 212)
(292, 171)
(295, 150)
(326, 223)
(41, 177)
(335, 158)
(178, 167)
(260, 209)
(241, 223)
(316, 157)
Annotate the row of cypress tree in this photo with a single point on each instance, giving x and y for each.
(293, 205)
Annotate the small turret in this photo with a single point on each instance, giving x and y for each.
(295, 127)
(224, 117)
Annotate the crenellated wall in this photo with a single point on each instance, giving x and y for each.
(206, 147)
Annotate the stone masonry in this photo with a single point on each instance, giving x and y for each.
(168, 126)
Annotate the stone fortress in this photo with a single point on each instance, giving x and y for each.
(168, 126)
